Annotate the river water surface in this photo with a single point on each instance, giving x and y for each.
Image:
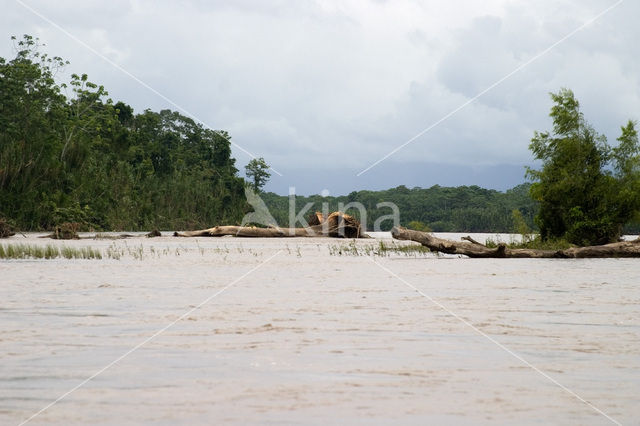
(286, 331)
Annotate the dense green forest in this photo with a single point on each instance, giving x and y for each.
(68, 153)
(442, 209)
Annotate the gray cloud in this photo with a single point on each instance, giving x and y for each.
(326, 88)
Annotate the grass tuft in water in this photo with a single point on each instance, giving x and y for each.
(34, 251)
(381, 249)
(533, 241)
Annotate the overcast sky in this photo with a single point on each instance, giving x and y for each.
(324, 89)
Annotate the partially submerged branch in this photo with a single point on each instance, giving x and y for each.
(471, 240)
(474, 249)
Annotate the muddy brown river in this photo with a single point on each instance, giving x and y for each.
(287, 331)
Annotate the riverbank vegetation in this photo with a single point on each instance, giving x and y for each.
(70, 154)
(381, 249)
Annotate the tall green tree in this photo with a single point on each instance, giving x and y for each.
(32, 115)
(258, 172)
(587, 190)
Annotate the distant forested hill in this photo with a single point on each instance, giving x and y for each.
(460, 209)
(441, 209)
(69, 154)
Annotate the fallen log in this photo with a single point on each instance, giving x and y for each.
(472, 248)
(336, 225)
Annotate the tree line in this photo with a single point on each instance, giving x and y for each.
(440, 209)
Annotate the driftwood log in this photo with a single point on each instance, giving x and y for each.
(472, 248)
(336, 225)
